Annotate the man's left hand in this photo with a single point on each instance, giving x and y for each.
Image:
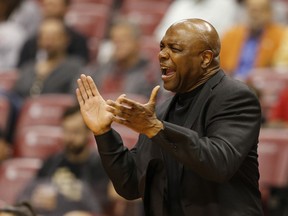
(139, 117)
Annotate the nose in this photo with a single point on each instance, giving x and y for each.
(163, 54)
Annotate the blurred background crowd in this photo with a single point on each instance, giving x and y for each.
(48, 158)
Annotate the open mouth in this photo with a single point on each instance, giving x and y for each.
(164, 70)
(167, 71)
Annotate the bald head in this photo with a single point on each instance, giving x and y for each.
(189, 54)
(200, 32)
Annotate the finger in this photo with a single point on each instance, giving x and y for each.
(111, 109)
(120, 120)
(119, 110)
(79, 97)
(82, 89)
(86, 85)
(153, 95)
(93, 86)
(118, 100)
(128, 102)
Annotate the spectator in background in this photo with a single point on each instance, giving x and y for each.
(220, 13)
(253, 44)
(55, 71)
(26, 13)
(12, 37)
(278, 116)
(128, 70)
(73, 179)
(77, 42)
(281, 56)
(5, 150)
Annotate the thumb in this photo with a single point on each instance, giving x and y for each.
(153, 95)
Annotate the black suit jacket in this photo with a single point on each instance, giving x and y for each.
(216, 149)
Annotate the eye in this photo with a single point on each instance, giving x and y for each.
(176, 49)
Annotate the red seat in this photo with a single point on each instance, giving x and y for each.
(91, 19)
(46, 109)
(14, 175)
(147, 14)
(4, 112)
(106, 2)
(37, 141)
(269, 82)
(8, 79)
(273, 158)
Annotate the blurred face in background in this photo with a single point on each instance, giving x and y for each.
(55, 8)
(125, 41)
(259, 13)
(75, 134)
(52, 37)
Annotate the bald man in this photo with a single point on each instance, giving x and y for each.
(197, 152)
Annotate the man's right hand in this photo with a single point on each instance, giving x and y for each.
(93, 106)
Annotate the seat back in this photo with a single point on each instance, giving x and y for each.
(14, 176)
(89, 18)
(46, 109)
(38, 141)
(147, 14)
(8, 79)
(270, 82)
(273, 157)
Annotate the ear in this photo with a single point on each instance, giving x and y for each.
(207, 57)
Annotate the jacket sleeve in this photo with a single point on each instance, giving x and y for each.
(231, 125)
(119, 164)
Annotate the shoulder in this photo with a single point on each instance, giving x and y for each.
(229, 87)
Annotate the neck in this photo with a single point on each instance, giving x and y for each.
(207, 75)
(56, 58)
(78, 158)
(129, 62)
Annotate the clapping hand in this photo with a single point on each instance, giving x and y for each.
(93, 106)
(139, 117)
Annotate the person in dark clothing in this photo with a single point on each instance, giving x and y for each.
(70, 180)
(77, 42)
(197, 152)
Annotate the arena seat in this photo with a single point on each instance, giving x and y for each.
(269, 82)
(91, 19)
(46, 109)
(8, 79)
(37, 141)
(147, 14)
(15, 173)
(273, 159)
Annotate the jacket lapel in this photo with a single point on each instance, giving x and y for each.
(201, 100)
